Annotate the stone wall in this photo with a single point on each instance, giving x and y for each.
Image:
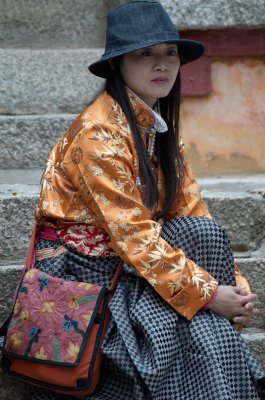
(208, 14)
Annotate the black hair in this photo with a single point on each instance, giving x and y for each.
(167, 147)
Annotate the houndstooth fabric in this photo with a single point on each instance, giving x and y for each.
(151, 352)
(206, 243)
(77, 266)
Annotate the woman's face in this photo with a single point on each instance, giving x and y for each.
(152, 71)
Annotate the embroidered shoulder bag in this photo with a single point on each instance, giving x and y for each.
(65, 356)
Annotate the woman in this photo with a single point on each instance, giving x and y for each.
(119, 185)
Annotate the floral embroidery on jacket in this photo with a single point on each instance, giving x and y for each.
(92, 178)
(87, 239)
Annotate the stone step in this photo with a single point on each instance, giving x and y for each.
(256, 340)
(11, 389)
(43, 24)
(213, 14)
(29, 138)
(242, 214)
(9, 278)
(48, 23)
(64, 86)
(47, 81)
(252, 268)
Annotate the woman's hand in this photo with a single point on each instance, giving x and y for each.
(235, 304)
(242, 321)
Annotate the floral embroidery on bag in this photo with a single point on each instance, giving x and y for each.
(15, 341)
(73, 350)
(41, 354)
(44, 283)
(69, 323)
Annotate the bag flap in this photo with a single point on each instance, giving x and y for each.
(52, 318)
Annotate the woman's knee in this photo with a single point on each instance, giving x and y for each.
(196, 229)
(207, 227)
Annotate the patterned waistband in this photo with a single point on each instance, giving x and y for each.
(86, 239)
(50, 252)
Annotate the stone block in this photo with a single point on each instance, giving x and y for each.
(28, 138)
(48, 23)
(47, 81)
(12, 181)
(16, 221)
(9, 277)
(254, 270)
(209, 14)
(242, 215)
(71, 24)
(255, 338)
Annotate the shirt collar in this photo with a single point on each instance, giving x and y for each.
(146, 116)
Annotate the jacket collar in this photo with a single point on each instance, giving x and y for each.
(147, 118)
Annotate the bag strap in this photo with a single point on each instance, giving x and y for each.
(28, 264)
(116, 276)
(31, 247)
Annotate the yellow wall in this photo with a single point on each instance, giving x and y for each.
(225, 131)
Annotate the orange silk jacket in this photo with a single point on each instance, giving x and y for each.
(92, 177)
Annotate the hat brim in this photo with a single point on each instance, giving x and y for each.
(190, 50)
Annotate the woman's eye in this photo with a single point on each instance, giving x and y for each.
(147, 53)
(172, 52)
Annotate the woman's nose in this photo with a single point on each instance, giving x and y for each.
(160, 63)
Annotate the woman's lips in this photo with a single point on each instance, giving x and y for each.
(160, 80)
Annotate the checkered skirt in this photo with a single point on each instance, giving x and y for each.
(150, 351)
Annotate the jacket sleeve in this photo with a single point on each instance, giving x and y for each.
(104, 175)
(191, 203)
(241, 280)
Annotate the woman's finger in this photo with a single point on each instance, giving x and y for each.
(239, 289)
(243, 320)
(250, 298)
(249, 306)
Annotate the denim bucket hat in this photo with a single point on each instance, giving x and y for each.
(138, 24)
